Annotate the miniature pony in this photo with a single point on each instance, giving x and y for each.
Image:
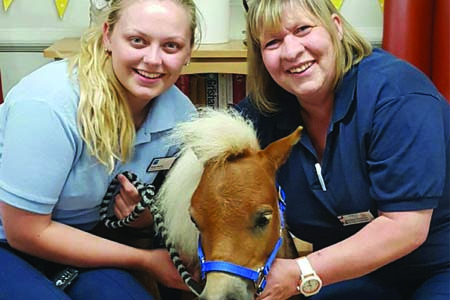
(222, 190)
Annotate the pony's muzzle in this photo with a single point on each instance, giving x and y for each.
(222, 286)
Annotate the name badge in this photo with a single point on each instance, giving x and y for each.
(161, 163)
(358, 218)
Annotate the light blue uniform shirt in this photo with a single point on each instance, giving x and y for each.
(45, 166)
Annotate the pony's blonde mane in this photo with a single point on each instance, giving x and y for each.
(211, 135)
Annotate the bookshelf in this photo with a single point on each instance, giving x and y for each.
(228, 57)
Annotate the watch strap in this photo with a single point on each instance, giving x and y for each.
(304, 266)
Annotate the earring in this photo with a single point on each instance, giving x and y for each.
(107, 51)
(187, 63)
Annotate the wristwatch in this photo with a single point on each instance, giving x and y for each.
(309, 283)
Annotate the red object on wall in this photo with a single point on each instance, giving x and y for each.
(418, 32)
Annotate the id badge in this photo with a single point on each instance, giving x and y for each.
(357, 218)
(161, 164)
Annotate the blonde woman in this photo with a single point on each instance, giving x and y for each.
(67, 129)
(368, 183)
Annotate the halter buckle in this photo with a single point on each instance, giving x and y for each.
(260, 282)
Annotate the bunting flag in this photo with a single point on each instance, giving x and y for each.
(337, 3)
(381, 4)
(6, 4)
(61, 6)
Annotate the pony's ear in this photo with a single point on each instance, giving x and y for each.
(277, 152)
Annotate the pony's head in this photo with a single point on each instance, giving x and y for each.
(223, 188)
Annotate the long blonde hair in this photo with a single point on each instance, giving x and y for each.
(266, 15)
(104, 119)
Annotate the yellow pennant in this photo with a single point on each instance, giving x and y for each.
(337, 3)
(61, 6)
(6, 4)
(381, 4)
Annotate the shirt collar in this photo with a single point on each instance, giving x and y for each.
(344, 95)
(161, 116)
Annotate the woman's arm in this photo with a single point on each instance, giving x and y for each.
(386, 239)
(39, 236)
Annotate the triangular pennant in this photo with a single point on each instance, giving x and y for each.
(381, 4)
(61, 6)
(6, 4)
(337, 3)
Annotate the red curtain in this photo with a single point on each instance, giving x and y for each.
(419, 31)
(440, 63)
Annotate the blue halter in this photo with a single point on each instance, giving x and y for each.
(257, 276)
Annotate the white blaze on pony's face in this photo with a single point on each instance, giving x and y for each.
(235, 208)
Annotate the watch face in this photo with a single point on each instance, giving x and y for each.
(310, 285)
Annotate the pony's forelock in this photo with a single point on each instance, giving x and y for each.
(215, 133)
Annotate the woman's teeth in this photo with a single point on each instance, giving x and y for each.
(301, 68)
(148, 75)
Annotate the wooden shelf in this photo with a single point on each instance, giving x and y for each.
(228, 57)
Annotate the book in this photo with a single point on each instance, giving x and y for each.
(183, 83)
(212, 90)
(225, 90)
(229, 90)
(198, 90)
(239, 87)
(193, 86)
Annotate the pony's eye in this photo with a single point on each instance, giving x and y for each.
(263, 220)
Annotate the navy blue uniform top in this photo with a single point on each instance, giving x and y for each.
(387, 149)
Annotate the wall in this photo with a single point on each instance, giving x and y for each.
(365, 15)
(29, 26)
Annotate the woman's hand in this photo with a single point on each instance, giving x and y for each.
(125, 202)
(164, 271)
(282, 280)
